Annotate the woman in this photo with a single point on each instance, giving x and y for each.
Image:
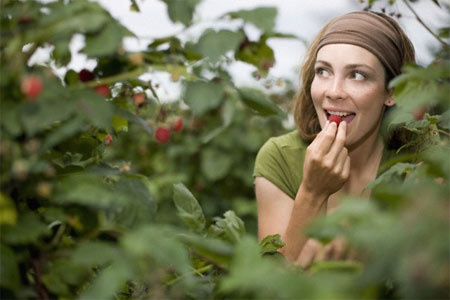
(301, 174)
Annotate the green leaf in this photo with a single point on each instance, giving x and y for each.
(444, 120)
(271, 243)
(95, 109)
(89, 189)
(188, 208)
(141, 206)
(95, 253)
(109, 281)
(230, 228)
(119, 124)
(9, 270)
(258, 54)
(62, 273)
(159, 243)
(257, 101)
(106, 42)
(181, 11)
(336, 266)
(28, 229)
(215, 164)
(50, 109)
(202, 96)
(8, 212)
(213, 249)
(10, 118)
(394, 174)
(214, 44)
(261, 17)
(62, 133)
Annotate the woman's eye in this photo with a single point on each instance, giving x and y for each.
(358, 75)
(322, 72)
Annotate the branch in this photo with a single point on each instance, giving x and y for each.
(424, 25)
(42, 291)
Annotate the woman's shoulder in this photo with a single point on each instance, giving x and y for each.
(289, 140)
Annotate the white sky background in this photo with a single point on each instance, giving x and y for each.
(304, 18)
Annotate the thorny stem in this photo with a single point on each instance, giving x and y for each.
(424, 25)
(43, 294)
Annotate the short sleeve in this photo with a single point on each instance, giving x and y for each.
(270, 164)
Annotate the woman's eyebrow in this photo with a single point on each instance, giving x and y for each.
(323, 62)
(354, 66)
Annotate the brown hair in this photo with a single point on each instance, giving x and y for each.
(305, 116)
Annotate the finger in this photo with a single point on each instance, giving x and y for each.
(338, 142)
(328, 251)
(340, 161)
(346, 169)
(326, 139)
(340, 249)
(308, 253)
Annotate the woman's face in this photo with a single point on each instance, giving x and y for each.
(350, 81)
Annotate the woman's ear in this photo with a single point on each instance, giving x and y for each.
(389, 101)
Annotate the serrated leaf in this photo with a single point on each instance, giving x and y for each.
(202, 96)
(230, 227)
(261, 17)
(257, 101)
(214, 44)
(271, 243)
(189, 210)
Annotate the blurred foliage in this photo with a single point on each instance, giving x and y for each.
(95, 205)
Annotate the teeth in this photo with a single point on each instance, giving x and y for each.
(338, 113)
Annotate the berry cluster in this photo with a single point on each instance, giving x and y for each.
(163, 133)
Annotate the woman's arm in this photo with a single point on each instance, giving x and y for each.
(280, 214)
(325, 170)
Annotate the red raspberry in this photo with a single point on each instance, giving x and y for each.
(162, 134)
(102, 90)
(336, 119)
(85, 75)
(139, 99)
(419, 113)
(31, 87)
(108, 140)
(177, 126)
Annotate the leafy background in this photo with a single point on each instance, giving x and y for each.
(95, 206)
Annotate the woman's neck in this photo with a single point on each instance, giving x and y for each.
(366, 155)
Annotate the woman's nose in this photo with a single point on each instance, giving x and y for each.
(336, 89)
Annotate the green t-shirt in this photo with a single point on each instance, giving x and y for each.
(280, 160)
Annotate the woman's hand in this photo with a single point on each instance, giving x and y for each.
(327, 164)
(315, 251)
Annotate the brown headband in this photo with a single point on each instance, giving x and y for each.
(370, 31)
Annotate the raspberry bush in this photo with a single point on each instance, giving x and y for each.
(97, 202)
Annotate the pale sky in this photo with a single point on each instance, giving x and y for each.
(304, 18)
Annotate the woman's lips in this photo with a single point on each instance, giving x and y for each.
(340, 117)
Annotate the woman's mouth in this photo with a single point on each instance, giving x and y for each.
(345, 116)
